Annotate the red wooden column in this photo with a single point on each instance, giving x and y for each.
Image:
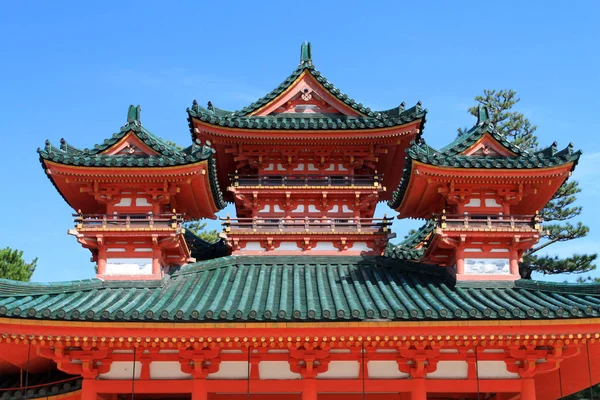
(199, 390)
(527, 389)
(309, 391)
(418, 391)
(88, 390)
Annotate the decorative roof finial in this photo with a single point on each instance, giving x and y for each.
(133, 114)
(483, 115)
(305, 54)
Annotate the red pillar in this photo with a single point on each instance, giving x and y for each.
(88, 390)
(460, 260)
(101, 261)
(418, 391)
(199, 390)
(156, 255)
(527, 389)
(309, 392)
(514, 262)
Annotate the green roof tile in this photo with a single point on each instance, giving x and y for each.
(168, 154)
(368, 120)
(450, 156)
(237, 288)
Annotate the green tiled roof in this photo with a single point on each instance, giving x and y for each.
(168, 154)
(450, 157)
(201, 250)
(406, 250)
(298, 288)
(368, 120)
(46, 384)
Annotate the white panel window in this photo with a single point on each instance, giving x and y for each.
(311, 167)
(300, 167)
(312, 208)
(270, 167)
(487, 266)
(128, 266)
(276, 208)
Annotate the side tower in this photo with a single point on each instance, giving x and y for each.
(131, 194)
(481, 196)
(306, 166)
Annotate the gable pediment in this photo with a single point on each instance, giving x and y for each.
(487, 145)
(305, 95)
(130, 145)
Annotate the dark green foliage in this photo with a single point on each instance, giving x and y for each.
(13, 266)
(198, 228)
(517, 128)
(513, 125)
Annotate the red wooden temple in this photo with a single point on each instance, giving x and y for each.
(304, 297)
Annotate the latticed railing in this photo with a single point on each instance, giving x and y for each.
(309, 225)
(305, 180)
(128, 221)
(488, 222)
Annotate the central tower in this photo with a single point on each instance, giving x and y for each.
(306, 165)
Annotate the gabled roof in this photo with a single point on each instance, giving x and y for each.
(452, 156)
(413, 246)
(162, 153)
(166, 153)
(366, 118)
(298, 288)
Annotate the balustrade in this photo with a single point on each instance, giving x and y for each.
(305, 180)
(496, 221)
(128, 221)
(311, 225)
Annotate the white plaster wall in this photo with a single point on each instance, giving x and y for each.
(359, 246)
(385, 370)
(494, 370)
(492, 203)
(252, 246)
(124, 202)
(231, 370)
(341, 370)
(142, 202)
(276, 370)
(473, 203)
(123, 370)
(450, 370)
(167, 370)
(325, 246)
(289, 246)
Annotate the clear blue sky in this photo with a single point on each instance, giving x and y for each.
(70, 69)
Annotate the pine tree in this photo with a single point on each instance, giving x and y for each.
(198, 228)
(13, 266)
(559, 210)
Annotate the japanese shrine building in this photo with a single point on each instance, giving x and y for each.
(304, 297)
